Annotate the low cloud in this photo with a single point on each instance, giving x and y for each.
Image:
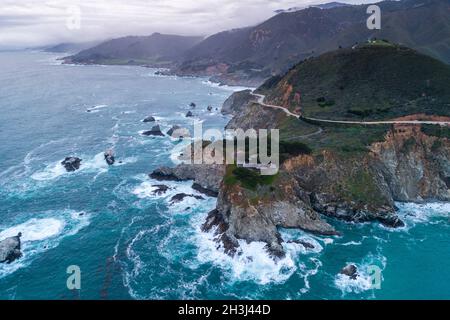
(37, 22)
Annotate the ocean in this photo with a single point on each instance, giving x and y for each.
(132, 244)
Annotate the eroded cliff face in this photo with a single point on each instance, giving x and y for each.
(256, 215)
(415, 166)
(407, 166)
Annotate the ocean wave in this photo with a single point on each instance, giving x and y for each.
(253, 262)
(365, 280)
(56, 170)
(96, 108)
(42, 233)
(146, 190)
(413, 213)
(225, 87)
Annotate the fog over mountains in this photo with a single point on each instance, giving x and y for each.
(252, 54)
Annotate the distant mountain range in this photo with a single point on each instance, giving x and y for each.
(251, 55)
(328, 5)
(155, 50)
(69, 47)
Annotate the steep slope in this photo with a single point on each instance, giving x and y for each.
(155, 50)
(348, 172)
(377, 80)
(251, 55)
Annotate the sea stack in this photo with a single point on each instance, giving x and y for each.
(71, 163)
(149, 119)
(109, 157)
(155, 131)
(10, 249)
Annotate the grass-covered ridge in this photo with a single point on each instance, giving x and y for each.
(377, 80)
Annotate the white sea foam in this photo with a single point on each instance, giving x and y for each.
(42, 233)
(252, 262)
(55, 170)
(146, 191)
(96, 108)
(413, 213)
(51, 172)
(350, 243)
(35, 229)
(225, 87)
(178, 150)
(364, 282)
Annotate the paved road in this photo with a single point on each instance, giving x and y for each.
(289, 113)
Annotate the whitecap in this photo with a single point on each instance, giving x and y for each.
(42, 233)
(146, 190)
(365, 280)
(55, 170)
(413, 213)
(252, 262)
(350, 243)
(35, 229)
(226, 87)
(96, 108)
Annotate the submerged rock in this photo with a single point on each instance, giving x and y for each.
(351, 271)
(149, 119)
(305, 244)
(155, 131)
(180, 197)
(71, 163)
(160, 189)
(109, 157)
(10, 249)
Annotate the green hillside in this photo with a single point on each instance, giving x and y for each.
(374, 81)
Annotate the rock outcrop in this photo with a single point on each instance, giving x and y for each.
(71, 163)
(350, 271)
(237, 102)
(189, 114)
(256, 215)
(207, 178)
(414, 166)
(160, 189)
(10, 249)
(181, 196)
(109, 157)
(149, 119)
(155, 131)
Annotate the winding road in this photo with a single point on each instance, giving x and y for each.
(289, 113)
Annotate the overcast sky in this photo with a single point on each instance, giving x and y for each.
(25, 23)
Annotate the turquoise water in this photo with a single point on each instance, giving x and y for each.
(131, 244)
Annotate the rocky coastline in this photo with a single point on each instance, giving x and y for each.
(407, 165)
